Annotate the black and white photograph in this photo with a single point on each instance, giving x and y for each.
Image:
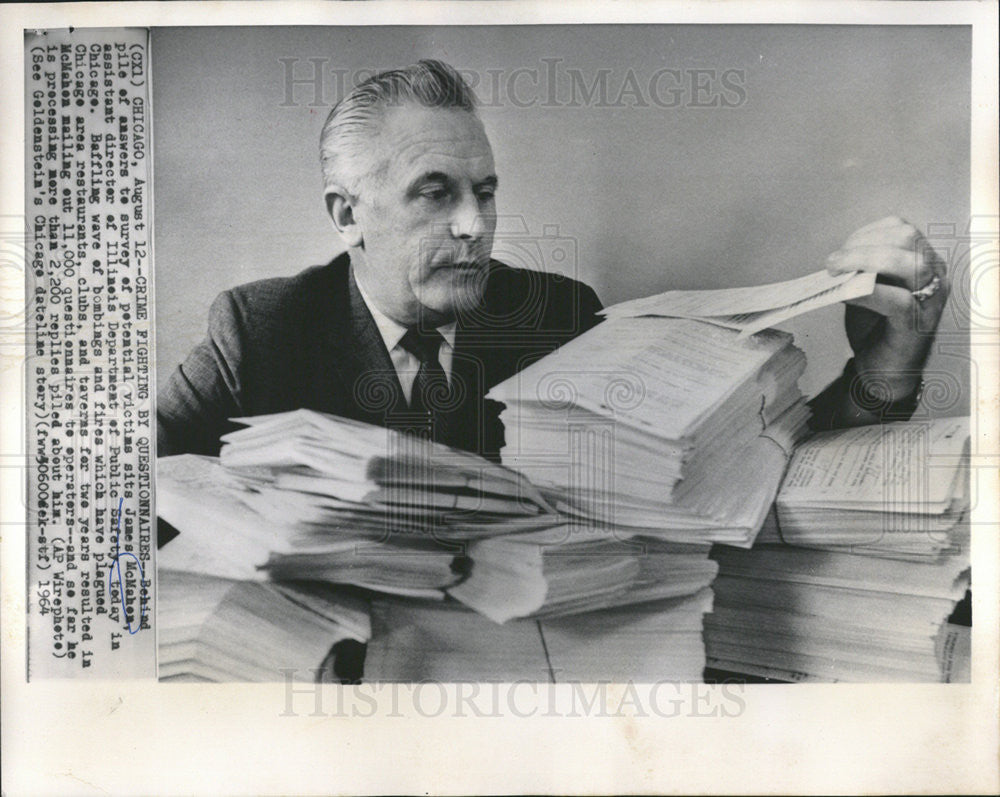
(579, 456)
(590, 385)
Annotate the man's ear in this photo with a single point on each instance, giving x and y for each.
(340, 205)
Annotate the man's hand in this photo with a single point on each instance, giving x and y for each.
(891, 331)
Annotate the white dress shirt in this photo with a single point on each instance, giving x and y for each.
(405, 363)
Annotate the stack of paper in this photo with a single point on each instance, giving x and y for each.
(216, 629)
(809, 615)
(565, 569)
(327, 471)
(421, 641)
(570, 570)
(882, 511)
(221, 535)
(629, 451)
(303, 495)
(660, 641)
(666, 424)
(898, 488)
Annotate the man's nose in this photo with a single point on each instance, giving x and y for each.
(467, 222)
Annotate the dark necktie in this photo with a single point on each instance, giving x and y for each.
(454, 414)
(430, 388)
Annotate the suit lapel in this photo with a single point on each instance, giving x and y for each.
(369, 387)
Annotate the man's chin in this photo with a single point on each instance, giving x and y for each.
(453, 292)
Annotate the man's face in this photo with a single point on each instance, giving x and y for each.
(427, 216)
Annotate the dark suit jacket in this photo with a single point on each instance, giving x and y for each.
(310, 341)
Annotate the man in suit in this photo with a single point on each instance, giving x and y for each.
(415, 322)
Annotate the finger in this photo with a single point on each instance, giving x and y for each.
(905, 237)
(937, 263)
(902, 236)
(886, 300)
(882, 224)
(898, 266)
(894, 231)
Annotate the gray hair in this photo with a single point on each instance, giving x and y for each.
(347, 134)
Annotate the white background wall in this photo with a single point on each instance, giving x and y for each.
(839, 126)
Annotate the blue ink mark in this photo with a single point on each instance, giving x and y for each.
(117, 566)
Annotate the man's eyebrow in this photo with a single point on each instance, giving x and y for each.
(431, 177)
(440, 177)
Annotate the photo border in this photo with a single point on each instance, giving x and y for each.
(143, 737)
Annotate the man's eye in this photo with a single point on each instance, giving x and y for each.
(486, 194)
(434, 192)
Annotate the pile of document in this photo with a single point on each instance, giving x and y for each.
(674, 426)
(216, 629)
(629, 451)
(897, 489)
(232, 526)
(303, 498)
(423, 641)
(880, 559)
(303, 495)
(328, 473)
(570, 569)
(221, 535)
(678, 413)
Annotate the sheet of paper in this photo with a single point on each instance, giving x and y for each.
(894, 466)
(195, 496)
(861, 284)
(507, 579)
(749, 300)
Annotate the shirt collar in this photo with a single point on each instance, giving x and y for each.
(392, 331)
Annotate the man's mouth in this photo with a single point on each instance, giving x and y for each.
(464, 265)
